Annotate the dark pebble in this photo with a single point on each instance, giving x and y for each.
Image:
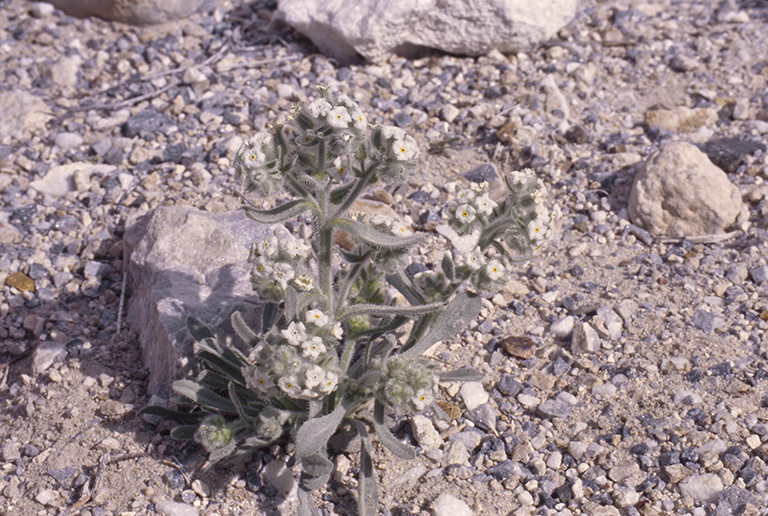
(421, 196)
(403, 120)
(174, 478)
(485, 172)
(727, 153)
(639, 449)
(699, 416)
(553, 408)
(694, 375)
(759, 274)
(146, 123)
(576, 134)
(705, 321)
(509, 386)
(721, 369)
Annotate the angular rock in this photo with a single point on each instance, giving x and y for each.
(425, 434)
(613, 322)
(344, 28)
(58, 181)
(680, 119)
(702, 488)
(584, 339)
(171, 508)
(473, 394)
(554, 408)
(729, 153)
(679, 192)
(46, 354)
(448, 505)
(185, 262)
(136, 12)
(561, 328)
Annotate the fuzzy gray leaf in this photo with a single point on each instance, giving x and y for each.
(198, 330)
(203, 396)
(376, 238)
(283, 212)
(242, 329)
(456, 316)
(398, 448)
(306, 506)
(368, 485)
(465, 374)
(314, 433)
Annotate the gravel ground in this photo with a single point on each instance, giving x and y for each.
(625, 375)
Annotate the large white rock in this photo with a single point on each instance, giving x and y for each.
(182, 262)
(139, 12)
(344, 28)
(679, 192)
(21, 111)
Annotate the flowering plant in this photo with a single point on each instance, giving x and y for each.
(332, 340)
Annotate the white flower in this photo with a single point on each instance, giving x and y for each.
(289, 385)
(485, 204)
(464, 195)
(337, 331)
(253, 158)
(537, 231)
(263, 267)
(329, 382)
(405, 149)
(359, 121)
(400, 229)
(338, 117)
(342, 99)
(295, 333)
(317, 318)
(465, 213)
(475, 259)
(303, 283)
(338, 164)
(308, 394)
(313, 348)
(422, 399)
(259, 380)
(269, 246)
(494, 269)
(313, 376)
(295, 247)
(283, 273)
(318, 108)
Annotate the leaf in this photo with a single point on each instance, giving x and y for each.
(368, 486)
(456, 316)
(316, 471)
(376, 238)
(239, 406)
(314, 433)
(465, 374)
(306, 506)
(268, 317)
(198, 330)
(448, 268)
(407, 292)
(204, 396)
(173, 415)
(243, 331)
(184, 432)
(291, 302)
(369, 309)
(283, 212)
(398, 448)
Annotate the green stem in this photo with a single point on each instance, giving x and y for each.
(346, 355)
(325, 241)
(353, 273)
(356, 191)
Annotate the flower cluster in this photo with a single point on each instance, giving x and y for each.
(300, 361)
(472, 209)
(258, 164)
(278, 263)
(407, 384)
(526, 203)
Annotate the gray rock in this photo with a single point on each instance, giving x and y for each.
(759, 274)
(554, 408)
(563, 327)
(171, 508)
(585, 339)
(146, 123)
(41, 9)
(706, 321)
(58, 181)
(470, 438)
(10, 451)
(612, 321)
(679, 192)
(20, 112)
(102, 146)
(46, 354)
(425, 434)
(64, 71)
(185, 262)
(137, 12)
(485, 172)
(448, 505)
(68, 141)
(702, 488)
(344, 28)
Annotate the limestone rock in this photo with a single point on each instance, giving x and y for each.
(137, 12)
(59, 180)
(679, 192)
(344, 28)
(21, 111)
(184, 262)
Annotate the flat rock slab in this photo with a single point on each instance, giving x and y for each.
(186, 262)
(137, 12)
(342, 29)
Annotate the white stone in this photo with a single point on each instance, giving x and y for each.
(171, 508)
(450, 112)
(612, 320)
(604, 390)
(563, 327)
(577, 449)
(585, 339)
(344, 28)
(21, 111)
(456, 454)
(425, 434)
(64, 71)
(702, 488)
(448, 505)
(138, 12)
(679, 192)
(281, 477)
(68, 141)
(473, 394)
(58, 181)
(41, 9)
(46, 354)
